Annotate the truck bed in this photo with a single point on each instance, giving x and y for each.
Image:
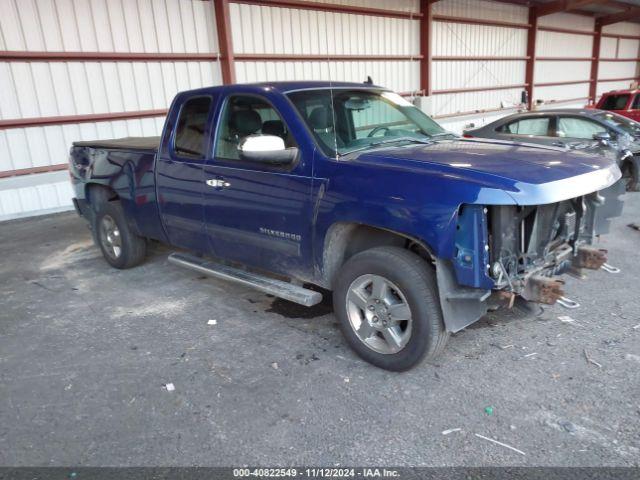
(127, 143)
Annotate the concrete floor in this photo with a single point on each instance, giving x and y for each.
(85, 351)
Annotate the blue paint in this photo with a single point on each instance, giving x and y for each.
(471, 256)
(415, 190)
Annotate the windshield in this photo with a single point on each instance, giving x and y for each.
(615, 102)
(623, 123)
(362, 119)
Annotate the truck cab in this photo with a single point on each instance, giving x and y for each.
(622, 102)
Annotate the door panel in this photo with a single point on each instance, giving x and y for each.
(260, 218)
(255, 213)
(180, 190)
(179, 176)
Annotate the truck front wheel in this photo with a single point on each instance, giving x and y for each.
(386, 301)
(121, 247)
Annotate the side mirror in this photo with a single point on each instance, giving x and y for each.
(602, 137)
(266, 149)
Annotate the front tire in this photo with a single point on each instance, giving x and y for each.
(631, 171)
(386, 300)
(120, 246)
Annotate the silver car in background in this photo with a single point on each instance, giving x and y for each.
(594, 131)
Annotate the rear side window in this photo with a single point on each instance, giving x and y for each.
(578, 128)
(528, 126)
(636, 103)
(615, 102)
(191, 139)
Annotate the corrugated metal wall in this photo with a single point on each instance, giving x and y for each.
(457, 39)
(34, 89)
(555, 44)
(619, 48)
(271, 30)
(53, 89)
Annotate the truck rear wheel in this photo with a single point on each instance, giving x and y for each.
(386, 301)
(119, 245)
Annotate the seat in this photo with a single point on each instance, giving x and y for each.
(244, 122)
(190, 135)
(321, 121)
(241, 123)
(274, 127)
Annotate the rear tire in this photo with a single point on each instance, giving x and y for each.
(386, 300)
(120, 246)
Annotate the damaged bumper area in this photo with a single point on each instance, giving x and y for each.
(543, 290)
(507, 251)
(531, 244)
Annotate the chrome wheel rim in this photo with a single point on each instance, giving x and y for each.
(110, 237)
(379, 314)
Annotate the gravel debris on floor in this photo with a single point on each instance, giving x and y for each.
(86, 351)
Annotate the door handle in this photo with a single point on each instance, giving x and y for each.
(218, 183)
(559, 144)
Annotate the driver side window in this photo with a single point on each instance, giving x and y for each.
(578, 128)
(246, 115)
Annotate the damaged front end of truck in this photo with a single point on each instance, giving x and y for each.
(506, 252)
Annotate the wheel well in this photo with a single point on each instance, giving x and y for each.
(344, 240)
(97, 194)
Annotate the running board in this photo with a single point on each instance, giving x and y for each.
(277, 288)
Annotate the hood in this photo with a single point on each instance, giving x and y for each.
(530, 174)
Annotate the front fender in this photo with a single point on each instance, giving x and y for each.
(422, 205)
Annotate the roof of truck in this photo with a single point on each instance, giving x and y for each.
(621, 91)
(290, 86)
(286, 87)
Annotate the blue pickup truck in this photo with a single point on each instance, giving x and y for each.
(286, 187)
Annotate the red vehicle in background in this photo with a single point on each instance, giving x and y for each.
(622, 102)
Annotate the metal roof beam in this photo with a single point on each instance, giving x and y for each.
(564, 6)
(628, 14)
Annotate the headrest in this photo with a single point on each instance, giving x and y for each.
(273, 127)
(320, 118)
(245, 122)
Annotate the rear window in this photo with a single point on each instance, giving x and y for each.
(190, 140)
(615, 102)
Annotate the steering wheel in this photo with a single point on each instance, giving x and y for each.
(384, 129)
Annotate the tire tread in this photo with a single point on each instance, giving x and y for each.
(134, 247)
(420, 276)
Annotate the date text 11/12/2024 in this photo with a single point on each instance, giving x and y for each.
(316, 472)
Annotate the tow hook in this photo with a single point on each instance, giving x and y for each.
(591, 258)
(568, 303)
(544, 290)
(610, 268)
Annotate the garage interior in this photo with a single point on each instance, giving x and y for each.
(87, 351)
(97, 69)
